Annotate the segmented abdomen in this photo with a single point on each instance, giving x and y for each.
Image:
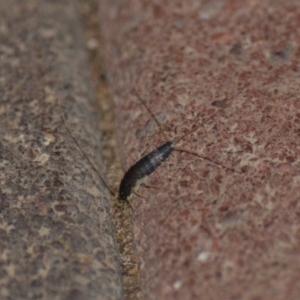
(145, 166)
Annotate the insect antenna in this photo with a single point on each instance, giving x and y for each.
(142, 101)
(84, 154)
(178, 139)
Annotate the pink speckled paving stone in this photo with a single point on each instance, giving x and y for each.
(205, 232)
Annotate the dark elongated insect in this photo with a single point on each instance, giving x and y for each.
(147, 164)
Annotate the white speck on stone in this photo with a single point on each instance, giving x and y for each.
(42, 159)
(92, 44)
(177, 285)
(47, 33)
(183, 99)
(211, 10)
(203, 256)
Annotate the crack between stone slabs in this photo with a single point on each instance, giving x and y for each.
(88, 10)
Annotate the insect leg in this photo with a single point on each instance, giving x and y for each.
(128, 203)
(178, 139)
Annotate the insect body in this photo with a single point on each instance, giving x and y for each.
(145, 166)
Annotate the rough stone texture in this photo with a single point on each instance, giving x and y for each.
(206, 232)
(56, 236)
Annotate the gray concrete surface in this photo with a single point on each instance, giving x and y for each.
(56, 233)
